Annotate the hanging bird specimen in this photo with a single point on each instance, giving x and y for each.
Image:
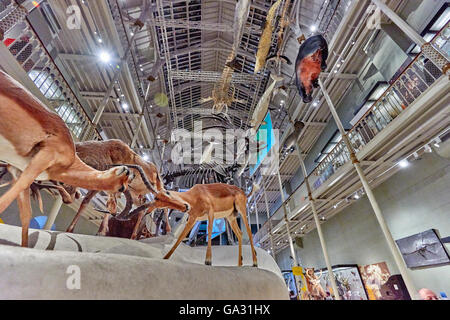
(311, 60)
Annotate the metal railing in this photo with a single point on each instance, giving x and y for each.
(26, 47)
(415, 79)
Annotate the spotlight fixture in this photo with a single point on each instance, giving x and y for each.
(105, 57)
(404, 163)
(335, 206)
(313, 28)
(145, 157)
(99, 40)
(125, 106)
(315, 104)
(428, 149)
(356, 196)
(416, 155)
(436, 143)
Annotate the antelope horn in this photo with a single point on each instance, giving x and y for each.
(141, 172)
(141, 208)
(125, 212)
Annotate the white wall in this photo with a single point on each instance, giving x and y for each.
(413, 200)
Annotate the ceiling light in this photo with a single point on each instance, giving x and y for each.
(315, 104)
(105, 57)
(99, 40)
(428, 149)
(356, 196)
(437, 141)
(145, 157)
(131, 34)
(125, 106)
(404, 163)
(313, 28)
(338, 65)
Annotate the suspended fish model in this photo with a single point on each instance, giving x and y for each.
(311, 60)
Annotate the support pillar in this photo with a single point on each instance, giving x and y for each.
(53, 213)
(387, 234)
(318, 227)
(256, 215)
(432, 53)
(288, 230)
(272, 247)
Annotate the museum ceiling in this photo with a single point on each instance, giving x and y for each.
(150, 98)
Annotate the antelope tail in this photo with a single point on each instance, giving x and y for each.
(255, 188)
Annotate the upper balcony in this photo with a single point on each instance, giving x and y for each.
(407, 117)
(24, 56)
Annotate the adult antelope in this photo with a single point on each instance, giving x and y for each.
(205, 202)
(102, 155)
(37, 142)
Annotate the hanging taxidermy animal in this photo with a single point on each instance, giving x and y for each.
(311, 60)
(284, 23)
(263, 104)
(266, 38)
(240, 19)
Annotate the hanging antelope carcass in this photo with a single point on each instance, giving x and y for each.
(206, 202)
(37, 142)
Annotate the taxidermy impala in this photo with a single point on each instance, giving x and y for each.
(37, 142)
(104, 154)
(205, 202)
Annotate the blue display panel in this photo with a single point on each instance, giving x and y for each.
(266, 137)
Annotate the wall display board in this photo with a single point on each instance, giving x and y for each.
(374, 276)
(348, 281)
(423, 249)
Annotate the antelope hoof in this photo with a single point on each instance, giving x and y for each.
(208, 263)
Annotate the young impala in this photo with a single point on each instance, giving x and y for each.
(205, 202)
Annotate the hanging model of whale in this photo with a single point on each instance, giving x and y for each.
(311, 60)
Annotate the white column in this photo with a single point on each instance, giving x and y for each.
(53, 213)
(387, 234)
(428, 50)
(269, 221)
(288, 230)
(318, 226)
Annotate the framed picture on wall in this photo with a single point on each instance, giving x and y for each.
(423, 249)
(348, 281)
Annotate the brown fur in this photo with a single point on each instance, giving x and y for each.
(309, 70)
(43, 138)
(204, 202)
(102, 154)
